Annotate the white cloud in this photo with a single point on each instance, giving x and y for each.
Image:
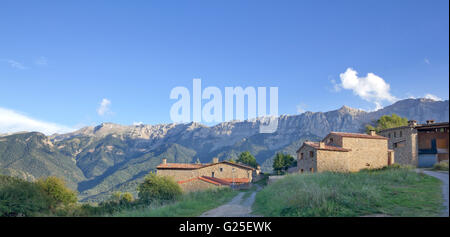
(11, 122)
(301, 108)
(41, 61)
(432, 97)
(427, 61)
(371, 88)
(104, 107)
(14, 64)
(137, 123)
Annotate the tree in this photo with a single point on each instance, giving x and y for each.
(386, 122)
(57, 192)
(278, 163)
(127, 197)
(158, 188)
(21, 198)
(282, 162)
(247, 158)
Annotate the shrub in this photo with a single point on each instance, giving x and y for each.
(443, 165)
(21, 198)
(57, 192)
(127, 197)
(158, 188)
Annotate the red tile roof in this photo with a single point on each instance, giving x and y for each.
(236, 180)
(215, 181)
(315, 145)
(358, 135)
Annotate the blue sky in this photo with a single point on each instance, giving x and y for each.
(60, 59)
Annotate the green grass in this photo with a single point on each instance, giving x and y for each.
(391, 191)
(190, 205)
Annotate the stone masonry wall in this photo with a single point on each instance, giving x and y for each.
(408, 153)
(335, 161)
(307, 163)
(366, 153)
(221, 170)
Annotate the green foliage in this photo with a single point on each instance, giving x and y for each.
(282, 162)
(158, 188)
(386, 122)
(57, 192)
(392, 191)
(21, 198)
(247, 158)
(443, 165)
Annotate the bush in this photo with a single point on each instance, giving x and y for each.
(443, 165)
(21, 198)
(158, 188)
(57, 192)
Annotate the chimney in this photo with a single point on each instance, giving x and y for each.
(412, 123)
(215, 160)
(164, 161)
(321, 144)
(430, 121)
(373, 133)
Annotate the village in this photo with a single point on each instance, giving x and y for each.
(416, 145)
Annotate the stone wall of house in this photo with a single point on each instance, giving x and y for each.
(336, 161)
(406, 148)
(196, 185)
(333, 140)
(227, 171)
(178, 174)
(307, 163)
(366, 153)
(221, 170)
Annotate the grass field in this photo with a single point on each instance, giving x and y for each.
(191, 205)
(390, 192)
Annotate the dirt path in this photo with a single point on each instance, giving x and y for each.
(444, 178)
(237, 207)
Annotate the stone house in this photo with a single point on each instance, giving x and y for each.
(193, 177)
(420, 145)
(344, 152)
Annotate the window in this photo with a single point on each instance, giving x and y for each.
(389, 135)
(331, 140)
(301, 156)
(399, 144)
(395, 134)
(212, 174)
(401, 133)
(301, 170)
(221, 169)
(311, 154)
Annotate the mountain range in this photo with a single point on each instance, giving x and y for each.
(98, 160)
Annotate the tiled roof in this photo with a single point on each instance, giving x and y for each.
(236, 180)
(357, 135)
(212, 180)
(315, 145)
